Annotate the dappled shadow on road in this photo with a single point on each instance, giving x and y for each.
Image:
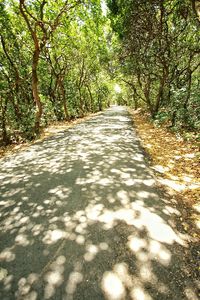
(81, 219)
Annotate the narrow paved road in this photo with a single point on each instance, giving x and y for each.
(81, 219)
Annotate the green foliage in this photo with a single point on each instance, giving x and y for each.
(158, 57)
(63, 47)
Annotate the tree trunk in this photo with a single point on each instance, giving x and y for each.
(91, 99)
(5, 137)
(136, 103)
(185, 106)
(147, 96)
(81, 103)
(35, 90)
(159, 95)
(62, 88)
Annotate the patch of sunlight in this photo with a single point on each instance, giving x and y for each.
(143, 194)
(123, 196)
(197, 222)
(54, 278)
(93, 212)
(83, 181)
(158, 230)
(155, 250)
(49, 291)
(148, 182)
(155, 225)
(178, 187)
(39, 207)
(80, 240)
(135, 243)
(160, 168)
(32, 278)
(121, 270)
(173, 177)
(61, 260)
(160, 251)
(190, 294)
(126, 215)
(23, 288)
(122, 119)
(12, 192)
(105, 181)
(3, 274)
(113, 287)
(103, 246)
(74, 279)
(171, 210)
(138, 157)
(193, 186)
(146, 273)
(37, 229)
(125, 175)
(187, 178)
(7, 203)
(197, 207)
(149, 146)
(53, 236)
(138, 293)
(189, 155)
(60, 191)
(31, 296)
(108, 218)
(22, 239)
(92, 250)
(56, 235)
(130, 182)
(177, 157)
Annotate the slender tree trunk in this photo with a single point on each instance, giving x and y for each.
(62, 88)
(159, 95)
(135, 102)
(35, 90)
(80, 102)
(147, 95)
(185, 106)
(5, 137)
(91, 98)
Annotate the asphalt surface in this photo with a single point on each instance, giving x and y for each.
(81, 219)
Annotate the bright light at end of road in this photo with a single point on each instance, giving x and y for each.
(117, 88)
(104, 7)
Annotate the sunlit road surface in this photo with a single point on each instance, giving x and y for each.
(81, 219)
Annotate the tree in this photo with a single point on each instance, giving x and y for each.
(54, 63)
(159, 56)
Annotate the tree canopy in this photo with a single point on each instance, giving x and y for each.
(61, 59)
(159, 56)
(54, 62)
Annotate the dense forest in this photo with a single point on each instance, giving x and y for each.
(60, 60)
(159, 57)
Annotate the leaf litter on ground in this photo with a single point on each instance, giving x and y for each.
(176, 162)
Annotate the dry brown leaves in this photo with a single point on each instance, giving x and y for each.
(175, 161)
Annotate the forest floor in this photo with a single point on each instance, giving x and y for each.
(176, 164)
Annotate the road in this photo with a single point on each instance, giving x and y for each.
(81, 219)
